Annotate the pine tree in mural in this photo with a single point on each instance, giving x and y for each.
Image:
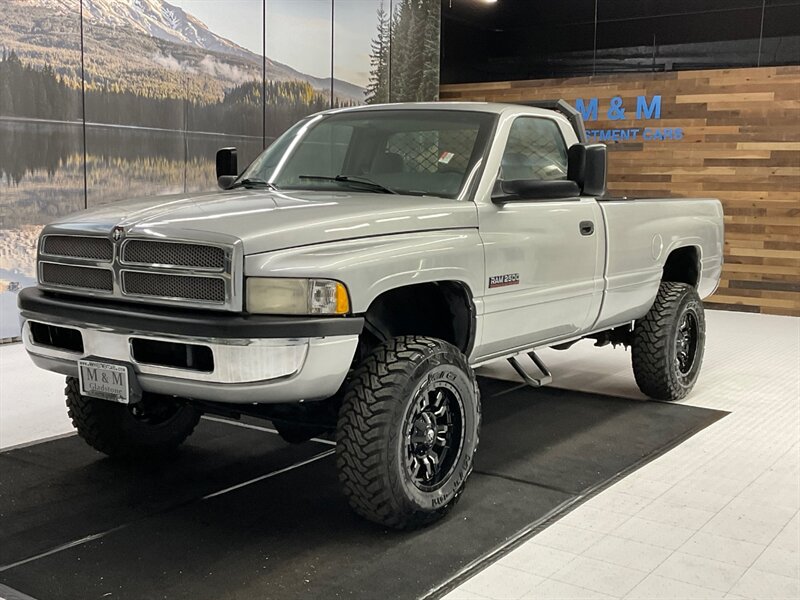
(429, 80)
(402, 44)
(412, 34)
(378, 89)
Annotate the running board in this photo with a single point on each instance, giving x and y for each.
(536, 382)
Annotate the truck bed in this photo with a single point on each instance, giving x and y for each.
(640, 234)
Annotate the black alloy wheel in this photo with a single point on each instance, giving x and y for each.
(686, 343)
(434, 435)
(154, 410)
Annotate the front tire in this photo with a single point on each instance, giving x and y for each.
(668, 343)
(151, 428)
(407, 432)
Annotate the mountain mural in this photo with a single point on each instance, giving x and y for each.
(140, 102)
(157, 19)
(148, 47)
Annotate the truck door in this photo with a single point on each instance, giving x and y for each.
(544, 258)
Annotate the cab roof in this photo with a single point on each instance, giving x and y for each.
(487, 107)
(572, 119)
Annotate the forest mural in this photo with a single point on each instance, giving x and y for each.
(102, 100)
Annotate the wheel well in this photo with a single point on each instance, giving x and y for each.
(683, 265)
(442, 309)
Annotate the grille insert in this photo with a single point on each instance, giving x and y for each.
(77, 277)
(173, 354)
(64, 338)
(174, 253)
(158, 285)
(70, 246)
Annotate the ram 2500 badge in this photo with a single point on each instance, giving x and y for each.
(352, 277)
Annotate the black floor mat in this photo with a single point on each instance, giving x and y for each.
(291, 535)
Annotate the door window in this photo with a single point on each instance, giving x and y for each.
(535, 150)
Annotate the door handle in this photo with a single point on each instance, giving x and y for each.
(586, 227)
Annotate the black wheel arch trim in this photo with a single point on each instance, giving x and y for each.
(39, 305)
(468, 343)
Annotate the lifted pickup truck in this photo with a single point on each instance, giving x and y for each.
(351, 278)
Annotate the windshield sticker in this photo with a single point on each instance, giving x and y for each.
(446, 157)
(496, 281)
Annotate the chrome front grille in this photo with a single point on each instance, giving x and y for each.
(173, 272)
(179, 254)
(73, 246)
(86, 278)
(184, 287)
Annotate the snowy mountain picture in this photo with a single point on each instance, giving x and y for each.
(140, 46)
(160, 20)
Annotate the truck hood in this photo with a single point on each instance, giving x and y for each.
(273, 220)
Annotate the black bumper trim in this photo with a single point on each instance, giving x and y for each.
(38, 305)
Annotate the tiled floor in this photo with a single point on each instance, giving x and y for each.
(717, 517)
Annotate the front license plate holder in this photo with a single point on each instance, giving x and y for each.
(110, 380)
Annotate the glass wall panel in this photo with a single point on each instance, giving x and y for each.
(137, 60)
(781, 42)
(298, 64)
(41, 136)
(414, 50)
(516, 40)
(652, 35)
(361, 31)
(224, 99)
(538, 40)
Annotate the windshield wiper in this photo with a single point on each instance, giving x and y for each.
(350, 179)
(253, 182)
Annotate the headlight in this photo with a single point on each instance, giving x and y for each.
(278, 296)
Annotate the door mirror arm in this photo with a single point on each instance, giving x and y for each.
(520, 190)
(226, 181)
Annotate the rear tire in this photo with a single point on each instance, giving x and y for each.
(153, 427)
(668, 343)
(407, 432)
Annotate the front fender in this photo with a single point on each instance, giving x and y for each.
(371, 266)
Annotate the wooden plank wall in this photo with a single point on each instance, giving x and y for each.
(741, 144)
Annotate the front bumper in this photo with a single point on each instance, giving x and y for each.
(256, 359)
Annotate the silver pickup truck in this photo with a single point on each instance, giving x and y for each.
(352, 277)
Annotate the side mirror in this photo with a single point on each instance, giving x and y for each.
(227, 167)
(588, 167)
(534, 189)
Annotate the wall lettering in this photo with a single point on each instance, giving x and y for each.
(647, 108)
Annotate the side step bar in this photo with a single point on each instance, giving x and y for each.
(545, 379)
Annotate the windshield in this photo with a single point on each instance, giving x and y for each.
(419, 152)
